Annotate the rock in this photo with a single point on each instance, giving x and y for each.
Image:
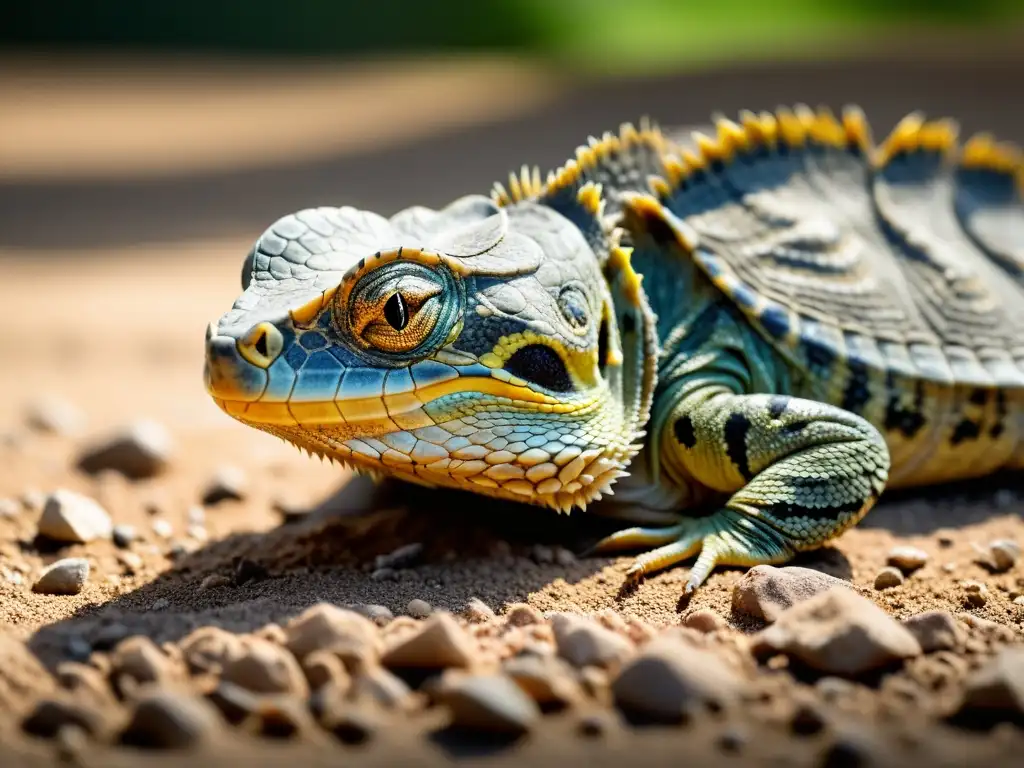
(478, 611)
(888, 577)
(670, 681)
(522, 615)
(584, 643)
(263, 667)
(109, 635)
(1002, 555)
(437, 644)
(290, 511)
(64, 577)
(50, 715)
(935, 631)
(234, 702)
(160, 604)
(353, 725)
(546, 679)
(166, 719)
(9, 508)
(123, 535)
(907, 559)
(765, 591)
(324, 668)
(976, 593)
(280, 717)
(564, 557)
(162, 528)
(70, 517)
(247, 570)
(704, 621)
(55, 416)
(228, 483)
(402, 557)
(1018, 600)
(838, 632)
(381, 687)
(542, 554)
(324, 626)
(384, 574)
(214, 581)
(140, 660)
(418, 609)
(210, 649)
(997, 688)
(491, 703)
(380, 615)
(144, 449)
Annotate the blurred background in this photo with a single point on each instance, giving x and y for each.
(145, 145)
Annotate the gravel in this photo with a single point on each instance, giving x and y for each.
(142, 450)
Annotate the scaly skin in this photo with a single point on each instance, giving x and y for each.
(820, 318)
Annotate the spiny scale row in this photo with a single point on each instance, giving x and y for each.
(526, 185)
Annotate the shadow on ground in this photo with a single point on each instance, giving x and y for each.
(472, 547)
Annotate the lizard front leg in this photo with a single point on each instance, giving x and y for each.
(799, 473)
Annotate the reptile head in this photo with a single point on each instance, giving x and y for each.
(483, 347)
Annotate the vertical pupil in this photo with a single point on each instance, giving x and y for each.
(396, 312)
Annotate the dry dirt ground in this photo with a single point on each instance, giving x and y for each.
(116, 330)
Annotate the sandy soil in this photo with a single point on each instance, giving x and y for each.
(117, 333)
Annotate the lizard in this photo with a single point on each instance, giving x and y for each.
(732, 345)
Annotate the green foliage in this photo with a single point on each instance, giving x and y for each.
(586, 33)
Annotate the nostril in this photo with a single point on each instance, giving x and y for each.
(261, 343)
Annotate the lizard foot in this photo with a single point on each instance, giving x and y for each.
(726, 537)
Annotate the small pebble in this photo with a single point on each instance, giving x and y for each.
(214, 581)
(1003, 554)
(247, 570)
(123, 535)
(64, 577)
(197, 533)
(542, 554)
(109, 635)
(478, 611)
(384, 574)
(159, 604)
(888, 577)
(976, 593)
(163, 528)
(935, 631)
(144, 449)
(290, 511)
(265, 667)
(9, 508)
(522, 615)
(491, 703)
(585, 643)
(564, 557)
(402, 557)
(1018, 600)
(55, 416)
(765, 591)
(228, 483)
(379, 614)
(705, 621)
(51, 715)
(324, 626)
(594, 724)
(71, 517)
(907, 559)
(196, 515)
(437, 643)
(419, 609)
(166, 719)
(32, 500)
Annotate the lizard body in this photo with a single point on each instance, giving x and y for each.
(771, 326)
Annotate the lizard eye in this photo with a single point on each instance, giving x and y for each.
(397, 310)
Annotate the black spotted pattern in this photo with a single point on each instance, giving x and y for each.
(540, 364)
(857, 394)
(784, 510)
(683, 429)
(909, 421)
(736, 428)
